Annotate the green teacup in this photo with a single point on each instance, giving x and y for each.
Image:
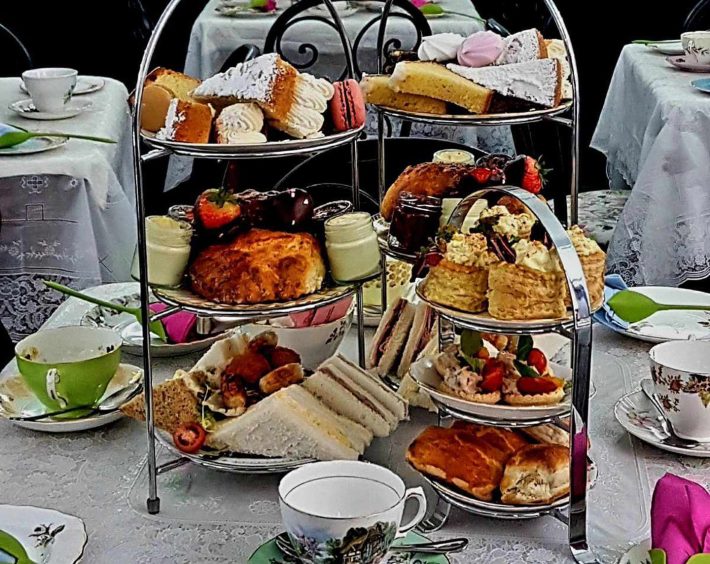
(69, 366)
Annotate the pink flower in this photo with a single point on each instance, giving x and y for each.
(263, 5)
(419, 3)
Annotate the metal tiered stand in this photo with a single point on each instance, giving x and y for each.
(178, 300)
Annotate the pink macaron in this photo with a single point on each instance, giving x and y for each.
(347, 106)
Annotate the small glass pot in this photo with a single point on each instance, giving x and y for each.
(168, 246)
(454, 156)
(351, 243)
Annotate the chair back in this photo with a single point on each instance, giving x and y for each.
(287, 36)
(16, 58)
(699, 17)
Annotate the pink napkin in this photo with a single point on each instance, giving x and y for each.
(324, 314)
(178, 326)
(680, 518)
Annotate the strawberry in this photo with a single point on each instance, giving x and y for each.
(538, 360)
(533, 178)
(532, 386)
(492, 374)
(216, 209)
(481, 174)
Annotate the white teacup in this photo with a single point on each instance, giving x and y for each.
(696, 45)
(50, 88)
(681, 377)
(345, 511)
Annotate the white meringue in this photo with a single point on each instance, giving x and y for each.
(440, 47)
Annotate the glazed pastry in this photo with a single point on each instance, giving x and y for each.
(512, 226)
(524, 46)
(415, 220)
(377, 90)
(460, 280)
(536, 474)
(440, 47)
(480, 49)
(187, 122)
(436, 81)
(240, 124)
(593, 261)
(531, 288)
(347, 107)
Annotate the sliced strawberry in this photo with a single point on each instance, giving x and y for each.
(531, 386)
(538, 360)
(215, 209)
(492, 373)
(482, 175)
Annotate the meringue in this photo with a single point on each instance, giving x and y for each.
(480, 49)
(440, 47)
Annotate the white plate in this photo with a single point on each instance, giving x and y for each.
(84, 85)
(132, 332)
(637, 415)
(48, 536)
(343, 9)
(424, 373)
(668, 47)
(674, 325)
(638, 554)
(26, 109)
(34, 145)
(681, 62)
(242, 11)
(23, 401)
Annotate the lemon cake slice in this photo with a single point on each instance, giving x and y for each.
(378, 91)
(436, 81)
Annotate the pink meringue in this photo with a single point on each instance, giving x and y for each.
(480, 49)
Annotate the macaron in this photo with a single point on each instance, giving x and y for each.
(347, 106)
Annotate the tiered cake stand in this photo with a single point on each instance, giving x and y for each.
(182, 299)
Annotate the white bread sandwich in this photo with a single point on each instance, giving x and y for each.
(391, 337)
(423, 331)
(292, 424)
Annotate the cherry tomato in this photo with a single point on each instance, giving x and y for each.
(531, 386)
(538, 360)
(492, 373)
(189, 437)
(483, 353)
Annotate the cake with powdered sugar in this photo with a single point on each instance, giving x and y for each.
(528, 45)
(268, 81)
(187, 122)
(537, 82)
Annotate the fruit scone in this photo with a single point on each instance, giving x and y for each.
(593, 261)
(531, 287)
(528, 378)
(460, 280)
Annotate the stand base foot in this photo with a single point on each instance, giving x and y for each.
(438, 519)
(153, 506)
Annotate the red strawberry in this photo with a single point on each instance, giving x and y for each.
(216, 208)
(538, 360)
(533, 175)
(482, 174)
(492, 373)
(532, 386)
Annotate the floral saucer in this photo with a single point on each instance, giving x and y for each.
(268, 553)
(637, 415)
(34, 534)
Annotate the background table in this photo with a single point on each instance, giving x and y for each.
(215, 517)
(67, 214)
(655, 133)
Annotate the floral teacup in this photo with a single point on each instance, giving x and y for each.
(345, 512)
(681, 377)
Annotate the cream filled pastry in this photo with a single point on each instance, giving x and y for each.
(516, 226)
(480, 49)
(240, 124)
(305, 117)
(440, 47)
(593, 261)
(469, 250)
(536, 256)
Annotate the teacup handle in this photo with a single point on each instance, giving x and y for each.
(51, 380)
(418, 494)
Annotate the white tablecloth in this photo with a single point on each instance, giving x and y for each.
(214, 517)
(67, 214)
(655, 131)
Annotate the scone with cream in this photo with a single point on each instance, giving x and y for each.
(593, 261)
(512, 226)
(533, 287)
(460, 280)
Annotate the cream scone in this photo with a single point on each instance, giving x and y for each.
(240, 124)
(593, 261)
(305, 118)
(460, 280)
(531, 288)
(512, 226)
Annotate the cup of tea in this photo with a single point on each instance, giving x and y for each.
(681, 378)
(346, 511)
(696, 46)
(50, 88)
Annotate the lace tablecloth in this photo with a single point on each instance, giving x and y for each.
(213, 517)
(67, 214)
(655, 132)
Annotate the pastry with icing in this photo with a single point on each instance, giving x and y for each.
(522, 47)
(187, 122)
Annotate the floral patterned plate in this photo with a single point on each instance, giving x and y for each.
(41, 536)
(268, 553)
(637, 415)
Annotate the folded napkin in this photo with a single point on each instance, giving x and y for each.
(613, 283)
(680, 519)
(178, 326)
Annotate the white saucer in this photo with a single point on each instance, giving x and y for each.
(26, 109)
(34, 145)
(84, 85)
(637, 415)
(638, 554)
(23, 401)
(681, 62)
